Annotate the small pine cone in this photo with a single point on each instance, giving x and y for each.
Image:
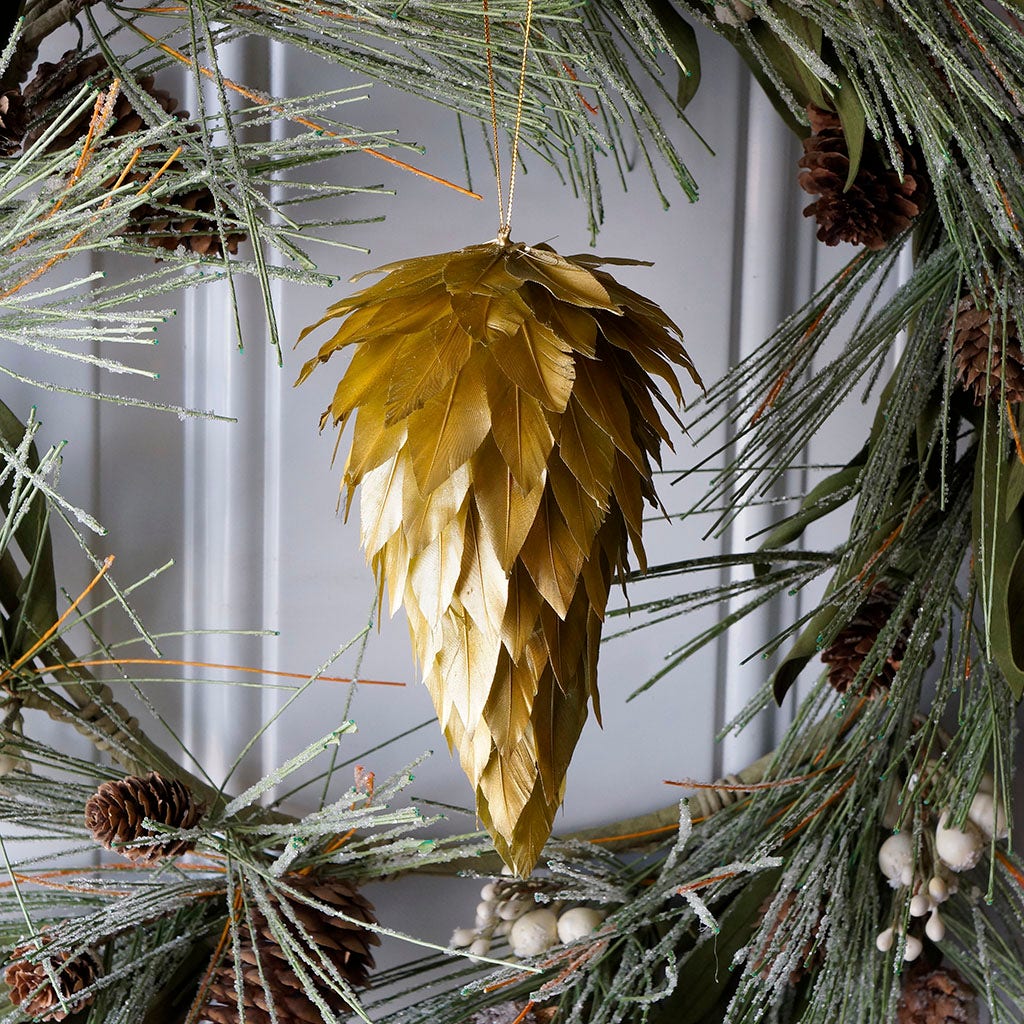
(877, 207)
(940, 996)
(115, 812)
(31, 983)
(13, 122)
(186, 220)
(343, 944)
(54, 83)
(811, 955)
(979, 372)
(855, 640)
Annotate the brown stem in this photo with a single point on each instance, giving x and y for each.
(42, 17)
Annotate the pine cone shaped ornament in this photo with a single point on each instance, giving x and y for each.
(331, 946)
(987, 350)
(940, 996)
(48, 988)
(114, 815)
(878, 205)
(505, 424)
(852, 645)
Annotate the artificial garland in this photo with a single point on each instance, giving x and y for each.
(862, 871)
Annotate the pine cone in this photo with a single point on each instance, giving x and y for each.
(13, 122)
(114, 815)
(854, 642)
(940, 996)
(344, 945)
(54, 83)
(186, 220)
(980, 373)
(877, 207)
(32, 988)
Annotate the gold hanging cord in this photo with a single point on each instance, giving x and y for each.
(505, 213)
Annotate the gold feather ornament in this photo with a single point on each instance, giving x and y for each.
(505, 422)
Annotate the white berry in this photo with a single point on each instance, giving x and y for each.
(509, 910)
(989, 815)
(489, 891)
(884, 940)
(480, 947)
(913, 949)
(896, 859)
(958, 850)
(935, 929)
(534, 933)
(938, 890)
(485, 913)
(579, 922)
(463, 937)
(920, 905)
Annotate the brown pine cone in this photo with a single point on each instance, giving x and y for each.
(877, 207)
(940, 996)
(32, 988)
(114, 815)
(53, 84)
(855, 640)
(343, 944)
(187, 219)
(987, 350)
(13, 122)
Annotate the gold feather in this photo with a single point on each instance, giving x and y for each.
(506, 418)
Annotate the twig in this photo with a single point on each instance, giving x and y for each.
(42, 17)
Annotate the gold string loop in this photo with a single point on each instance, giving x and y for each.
(505, 212)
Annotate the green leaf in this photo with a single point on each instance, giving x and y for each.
(826, 497)
(36, 597)
(1015, 485)
(999, 558)
(704, 975)
(801, 81)
(682, 41)
(808, 644)
(848, 106)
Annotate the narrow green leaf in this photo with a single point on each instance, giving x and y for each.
(683, 42)
(808, 644)
(799, 79)
(851, 114)
(36, 599)
(705, 974)
(999, 558)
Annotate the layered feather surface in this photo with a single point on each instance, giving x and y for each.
(506, 417)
